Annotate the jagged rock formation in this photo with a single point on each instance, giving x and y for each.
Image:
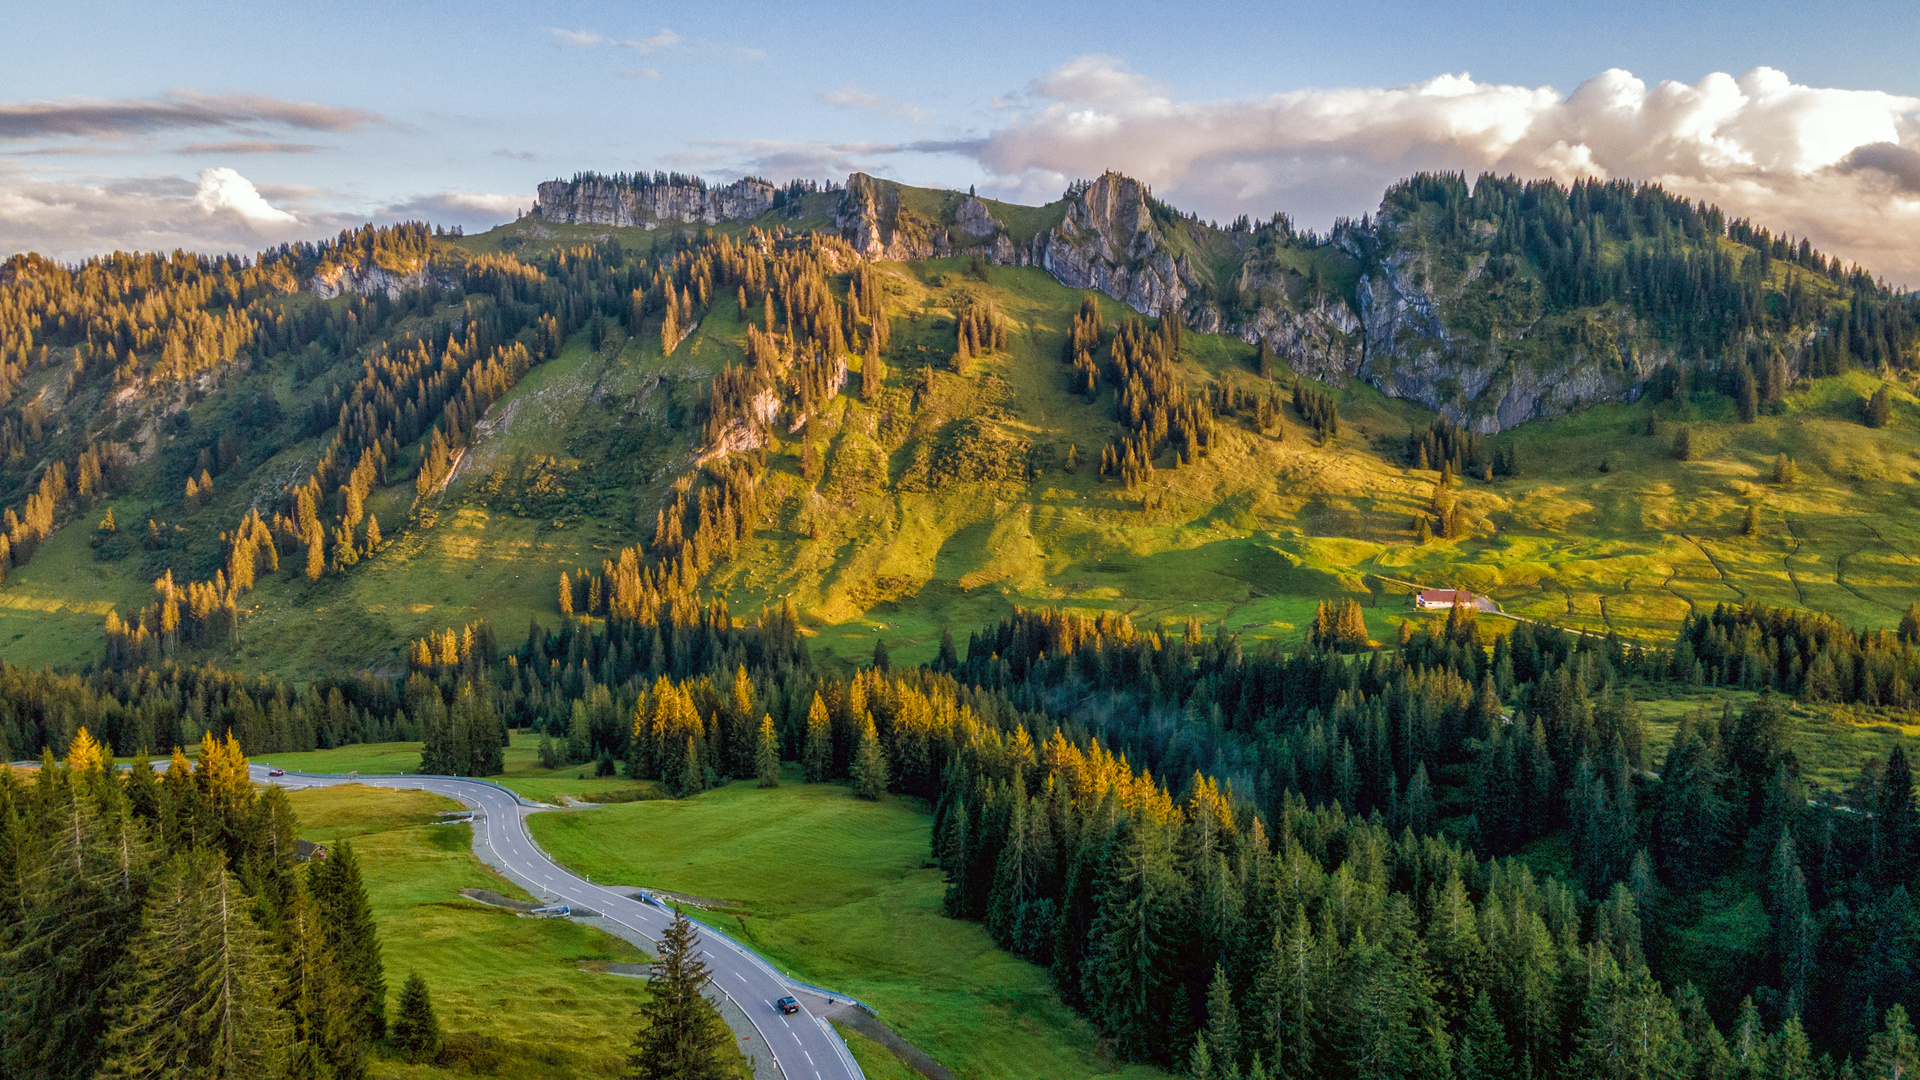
(644, 202)
(1109, 241)
(367, 279)
(1480, 383)
(871, 219)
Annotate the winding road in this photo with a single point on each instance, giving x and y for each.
(803, 1046)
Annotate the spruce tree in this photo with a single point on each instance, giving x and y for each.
(1483, 1045)
(69, 904)
(681, 1035)
(1892, 1054)
(1683, 444)
(816, 757)
(201, 998)
(1878, 412)
(869, 767)
(766, 757)
(415, 1032)
(352, 938)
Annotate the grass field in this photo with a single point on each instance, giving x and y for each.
(838, 892)
(523, 773)
(1252, 536)
(515, 994)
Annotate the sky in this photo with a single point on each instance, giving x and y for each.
(218, 126)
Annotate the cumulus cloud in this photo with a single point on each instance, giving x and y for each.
(98, 118)
(225, 191)
(851, 97)
(70, 218)
(471, 210)
(1839, 165)
(220, 210)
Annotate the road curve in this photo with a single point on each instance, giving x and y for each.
(803, 1046)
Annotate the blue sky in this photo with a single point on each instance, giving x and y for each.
(231, 125)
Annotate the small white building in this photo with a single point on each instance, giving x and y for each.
(1442, 599)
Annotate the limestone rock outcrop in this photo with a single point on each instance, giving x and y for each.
(1109, 241)
(871, 218)
(643, 202)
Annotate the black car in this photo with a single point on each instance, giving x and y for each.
(787, 1005)
(276, 772)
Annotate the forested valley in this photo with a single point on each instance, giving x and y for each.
(1332, 842)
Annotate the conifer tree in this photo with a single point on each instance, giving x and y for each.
(1683, 444)
(1892, 1053)
(1750, 522)
(681, 1035)
(869, 767)
(415, 1032)
(1784, 471)
(316, 555)
(352, 938)
(200, 999)
(1483, 1045)
(1879, 409)
(766, 757)
(817, 754)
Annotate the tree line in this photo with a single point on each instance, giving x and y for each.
(158, 924)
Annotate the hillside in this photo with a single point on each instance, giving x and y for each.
(750, 463)
(945, 497)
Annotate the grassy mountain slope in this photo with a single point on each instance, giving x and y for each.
(948, 500)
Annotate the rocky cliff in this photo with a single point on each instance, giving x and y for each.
(872, 219)
(643, 202)
(367, 279)
(1492, 380)
(1391, 329)
(1110, 242)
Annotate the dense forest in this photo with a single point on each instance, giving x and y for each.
(159, 924)
(1455, 854)
(1722, 294)
(1327, 859)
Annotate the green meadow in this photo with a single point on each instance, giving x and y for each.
(838, 892)
(524, 999)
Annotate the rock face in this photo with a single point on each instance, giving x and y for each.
(642, 204)
(369, 279)
(1109, 241)
(1487, 385)
(871, 218)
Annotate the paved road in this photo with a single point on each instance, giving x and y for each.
(804, 1046)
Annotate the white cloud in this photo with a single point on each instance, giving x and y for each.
(665, 39)
(69, 219)
(472, 210)
(1837, 165)
(578, 39)
(224, 190)
(852, 97)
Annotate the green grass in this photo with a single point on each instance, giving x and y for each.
(523, 772)
(838, 891)
(876, 1061)
(1251, 537)
(523, 985)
